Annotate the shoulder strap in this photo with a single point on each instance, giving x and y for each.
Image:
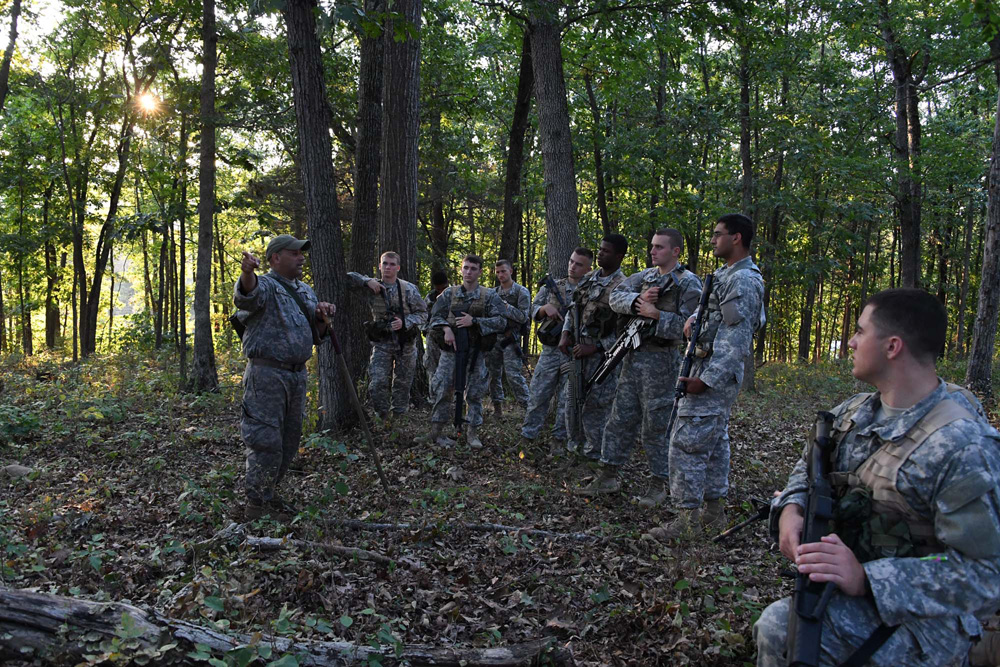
(302, 306)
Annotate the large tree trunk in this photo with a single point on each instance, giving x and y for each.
(203, 373)
(8, 54)
(984, 331)
(312, 121)
(561, 222)
(513, 208)
(397, 212)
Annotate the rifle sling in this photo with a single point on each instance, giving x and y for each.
(879, 636)
(295, 295)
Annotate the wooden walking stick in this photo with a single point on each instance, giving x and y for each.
(356, 403)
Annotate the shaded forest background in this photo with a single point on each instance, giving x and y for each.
(145, 145)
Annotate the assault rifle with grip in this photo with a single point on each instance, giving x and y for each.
(630, 340)
(680, 391)
(466, 354)
(549, 331)
(576, 387)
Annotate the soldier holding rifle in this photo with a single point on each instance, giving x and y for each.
(699, 441)
(397, 313)
(913, 558)
(665, 295)
(281, 328)
(480, 313)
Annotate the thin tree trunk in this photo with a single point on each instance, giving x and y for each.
(513, 209)
(181, 275)
(397, 211)
(8, 54)
(51, 277)
(964, 293)
(561, 216)
(203, 374)
(595, 137)
(312, 120)
(3, 317)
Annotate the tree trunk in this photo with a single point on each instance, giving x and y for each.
(964, 293)
(312, 120)
(3, 317)
(203, 374)
(51, 277)
(746, 180)
(513, 208)
(984, 331)
(561, 221)
(397, 211)
(181, 274)
(595, 136)
(8, 54)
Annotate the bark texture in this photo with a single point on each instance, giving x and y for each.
(8, 54)
(513, 206)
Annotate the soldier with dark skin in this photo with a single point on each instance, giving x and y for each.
(278, 342)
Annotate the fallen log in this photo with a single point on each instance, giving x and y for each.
(56, 630)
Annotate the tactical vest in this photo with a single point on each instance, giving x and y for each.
(511, 300)
(669, 300)
(598, 320)
(872, 516)
(476, 308)
(381, 313)
(550, 331)
(713, 319)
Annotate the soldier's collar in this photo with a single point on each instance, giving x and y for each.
(274, 274)
(896, 428)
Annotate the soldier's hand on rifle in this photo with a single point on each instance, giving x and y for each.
(464, 321)
(581, 350)
(564, 343)
(374, 286)
(550, 311)
(693, 385)
(831, 560)
(646, 308)
(688, 325)
(449, 337)
(397, 324)
(650, 295)
(790, 530)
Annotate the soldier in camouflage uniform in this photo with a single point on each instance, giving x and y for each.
(667, 294)
(699, 443)
(548, 380)
(506, 356)
(278, 342)
(439, 281)
(598, 325)
(925, 467)
(397, 313)
(483, 313)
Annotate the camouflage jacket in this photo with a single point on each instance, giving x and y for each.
(494, 320)
(276, 327)
(518, 312)
(590, 288)
(679, 293)
(415, 306)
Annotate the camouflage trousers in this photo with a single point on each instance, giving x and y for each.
(390, 365)
(546, 382)
(641, 407)
(273, 405)
(431, 355)
(502, 361)
(849, 621)
(595, 409)
(699, 446)
(443, 390)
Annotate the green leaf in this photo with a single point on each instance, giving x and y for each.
(284, 661)
(215, 603)
(346, 621)
(342, 488)
(682, 584)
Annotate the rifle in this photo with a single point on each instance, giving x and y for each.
(463, 361)
(680, 391)
(763, 511)
(576, 386)
(809, 599)
(543, 331)
(630, 340)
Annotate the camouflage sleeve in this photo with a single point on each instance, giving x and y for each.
(357, 280)
(524, 304)
(495, 320)
(540, 300)
(418, 309)
(734, 341)
(439, 313)
(966, 509)
(623, 296)
(256, 298)
(670, 326)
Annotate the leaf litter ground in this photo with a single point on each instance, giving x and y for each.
(131, 481)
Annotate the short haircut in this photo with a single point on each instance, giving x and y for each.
(584, 252)
(737, 223)
(676, 238)
(473, 259)
(390, 255)
(915, 316)
(505, 262)
(618, 242)
(439, 278)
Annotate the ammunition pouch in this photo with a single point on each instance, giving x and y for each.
(380, 330)
(549, 332)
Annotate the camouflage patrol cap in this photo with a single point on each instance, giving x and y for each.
(285, 241)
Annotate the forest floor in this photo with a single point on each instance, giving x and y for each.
(128, 476)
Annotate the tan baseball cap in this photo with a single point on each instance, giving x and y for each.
(285, 241)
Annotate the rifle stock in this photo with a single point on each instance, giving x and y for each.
(681, 389)
(809, 599)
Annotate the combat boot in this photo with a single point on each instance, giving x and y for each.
(498, 409)
(686, 524)
(472, 437)
(557, 448)
(656, 495)
(435, 436)
(714, 516)
(606, 482)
